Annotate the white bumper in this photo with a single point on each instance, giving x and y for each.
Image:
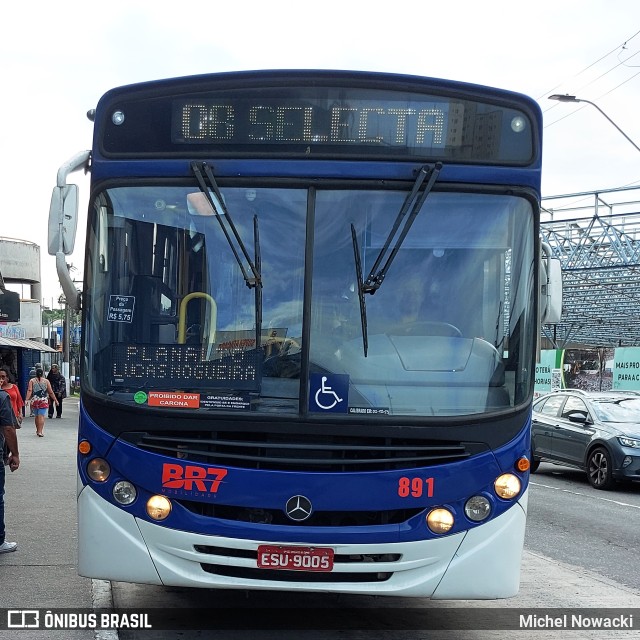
(481, 563)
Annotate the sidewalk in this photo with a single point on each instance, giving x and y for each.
(40, 515)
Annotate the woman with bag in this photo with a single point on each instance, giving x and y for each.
(39, 391)
(14, 393)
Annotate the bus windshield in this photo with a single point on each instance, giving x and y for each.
(173, 320)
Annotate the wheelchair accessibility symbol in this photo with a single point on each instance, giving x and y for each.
(329, 393)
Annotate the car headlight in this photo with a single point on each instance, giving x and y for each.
(634, 443)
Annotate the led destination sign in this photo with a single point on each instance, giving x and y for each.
(320, 121)
(360, 123)
(411, 125)
(184, 367)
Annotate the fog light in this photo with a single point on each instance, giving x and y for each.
(477, 508)
(98, 469)
(440, 520)
(158, 507)
(507, 486)
(627, 461)
(124, 492)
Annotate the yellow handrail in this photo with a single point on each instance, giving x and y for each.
(182, 318)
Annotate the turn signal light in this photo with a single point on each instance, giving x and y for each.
(84, 447)
(523, 464)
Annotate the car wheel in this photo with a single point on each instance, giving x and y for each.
(599, 469)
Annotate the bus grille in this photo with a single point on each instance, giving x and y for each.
(247, 573)
(302, 452)
(277, 517)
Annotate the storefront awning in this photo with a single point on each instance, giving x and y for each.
(26, 344)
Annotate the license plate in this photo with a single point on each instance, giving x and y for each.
(295, 558)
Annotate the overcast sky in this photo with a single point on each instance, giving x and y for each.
(58, 58)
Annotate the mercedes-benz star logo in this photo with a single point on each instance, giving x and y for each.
(298, 508)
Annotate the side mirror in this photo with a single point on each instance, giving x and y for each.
(63, 223)
(63, 219)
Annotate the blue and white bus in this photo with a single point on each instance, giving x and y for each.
(310, 314)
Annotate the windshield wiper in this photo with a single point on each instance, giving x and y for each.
(375, 278)
(258, 290)
(361, 300)
(219, 209)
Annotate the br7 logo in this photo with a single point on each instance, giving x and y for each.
(190, 477)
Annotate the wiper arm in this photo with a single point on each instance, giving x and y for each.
(363, 304)
(375, 278)
(219, 207)
(258, 290)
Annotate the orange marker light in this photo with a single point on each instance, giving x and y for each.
(84, 447)
(523, 464)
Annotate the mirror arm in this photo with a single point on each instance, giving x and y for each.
(73, 164)
(71, 293)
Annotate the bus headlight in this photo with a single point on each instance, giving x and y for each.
(124, 492)
(98, 470)
(440, 520)
(477, 508)
(158, 507)
(507, 486)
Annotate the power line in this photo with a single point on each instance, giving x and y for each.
(591, 65)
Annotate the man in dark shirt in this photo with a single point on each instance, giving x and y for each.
(8, 435)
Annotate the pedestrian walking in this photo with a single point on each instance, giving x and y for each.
(59, 386)
(8, 435)
(32, 375)
(39, 392)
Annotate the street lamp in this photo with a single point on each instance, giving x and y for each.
(567, 98)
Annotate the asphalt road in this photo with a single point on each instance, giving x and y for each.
(573, 523)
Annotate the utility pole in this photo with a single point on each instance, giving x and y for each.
(66, 335)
